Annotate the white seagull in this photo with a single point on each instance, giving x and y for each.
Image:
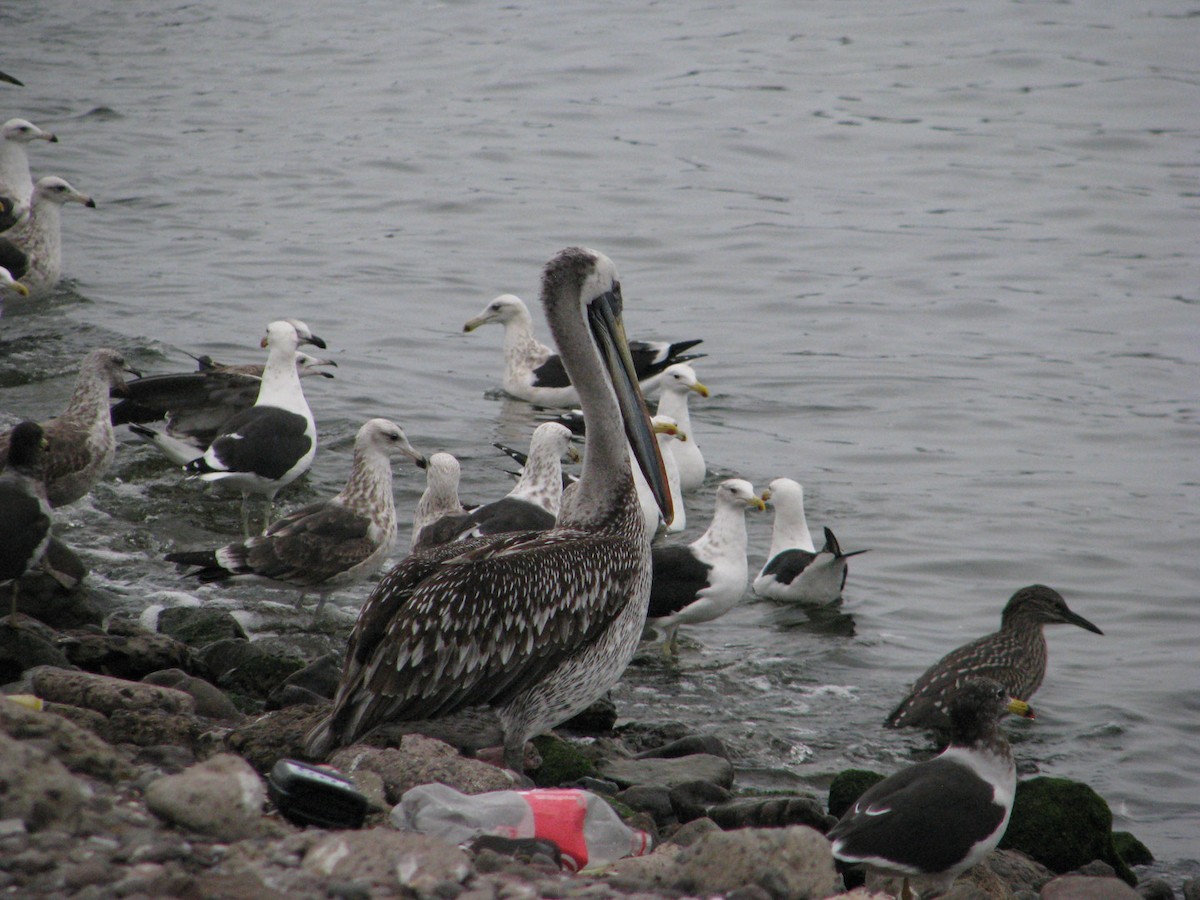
(327, 545)
(16, 184)
(667, 434)
(32, 249)
(705, 579)
(677, 384)
(440, 497)
(534, 372)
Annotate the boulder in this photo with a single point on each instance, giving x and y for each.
(221, 797)
(105, 695)
(390, 859)
(783, 862)
(847, 786)
(688, 746)
(1086, 887)
(563, 762)
(771, 812)
(668, 772)
(421, 760)
(199, 626)
(25, 644)
(210, 701)
(36, 788)
(77, 748)
(244, 667)
(265, 740)
(123, 651)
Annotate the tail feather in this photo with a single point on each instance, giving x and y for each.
(206, 561)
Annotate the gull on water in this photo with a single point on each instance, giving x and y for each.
(16, 184)
(934, 820)
(268, 446)
(498, 638)
(31, 250)
(677, 384)
(82, 443)
(440, 497)
(196, 405)
(24, 509)
(705, 579)
(534, 372)
(327, 545)
(532, 504)
(1014, 656)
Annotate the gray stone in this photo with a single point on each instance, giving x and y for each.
(76, 748)
(771, 812)
(24, 645)
(692, 799)
(668, 772)
(316, 681)
(199, 626)
(221, 797)
(387, 857)
(210, 701)
(37, 788)
(265, 740)
(786, 862)
(1088, 887)
(104, 694)
(688, 746)
(123, 651)
(1156, 889)
(687, 834)
(1018, 871)
(650, 798)
(1191, 889)
(245, 667)
(421, 760)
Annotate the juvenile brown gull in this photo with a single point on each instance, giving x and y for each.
(521, 630)
(327, 545)
(532, 504)
(440, 497)
(24, 510)
(534, 372)
(705, 579)
(1014, 656)
(32, 249)
(82, 443)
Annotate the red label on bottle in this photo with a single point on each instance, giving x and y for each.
(558, 815)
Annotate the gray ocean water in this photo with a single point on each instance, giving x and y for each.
(941, 256)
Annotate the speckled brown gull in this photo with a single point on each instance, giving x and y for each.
(31, 249)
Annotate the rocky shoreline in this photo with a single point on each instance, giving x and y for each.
(134, 767)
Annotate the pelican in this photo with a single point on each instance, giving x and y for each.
(520, 631)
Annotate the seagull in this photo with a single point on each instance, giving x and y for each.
(677, 384)
(667, 433)
(705, 579)
(327, 545)
(24, 508)
(267, 447)
(440, 498)
(32, 249)
(16, 184)
(82, 443)
(938, 818)
(533, 372)
(518, 632)
(1014, 656)
(798, 576)
(8, 283)
(196, 405)
(532, 504)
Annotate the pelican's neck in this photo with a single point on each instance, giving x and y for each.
(280, 381)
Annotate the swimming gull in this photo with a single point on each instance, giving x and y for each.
(534, 372)
(677, 384)
(32, 249)
(532, 504)
(934, 820)
(24, 508)
(521, 631)
(82, 443)
(1014, 656)
(705, 579)
(16, 184)
(327, 545)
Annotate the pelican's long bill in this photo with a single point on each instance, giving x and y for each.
(608, 330)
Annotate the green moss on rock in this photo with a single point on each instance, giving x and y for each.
(1133, 851)
(1063, 824)
(847, 786)
(562, 762)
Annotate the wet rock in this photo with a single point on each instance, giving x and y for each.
(25, 644)
(199, 626)
(1063, 824)
(649, 798)
(1018, 871)
(210, 702)
(1130, 849)
(221, 797)
(51, 592)
(847, 786)
(315, 682)
(668, 772)
(1191, 889)
(1083, 887)
(390, 859)
(166, 758)
(421, 760)
(639, 736)
(771, 812)
(688, 746)
(690, 832)
(35, 787)
(692, 799)
(104, 694)
(563, 762)
(275, 735)
(146, 728)
(978, 883)
(1156, 889)
(784, 862)
(75, 747)
(597, 719)
(122, 651)
(245, 668)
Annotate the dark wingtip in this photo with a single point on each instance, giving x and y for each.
(4, 76)
(53, 139)
(91, 204)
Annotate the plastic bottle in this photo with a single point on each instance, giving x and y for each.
(588, 832)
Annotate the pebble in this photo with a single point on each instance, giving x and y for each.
(1088, 887)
